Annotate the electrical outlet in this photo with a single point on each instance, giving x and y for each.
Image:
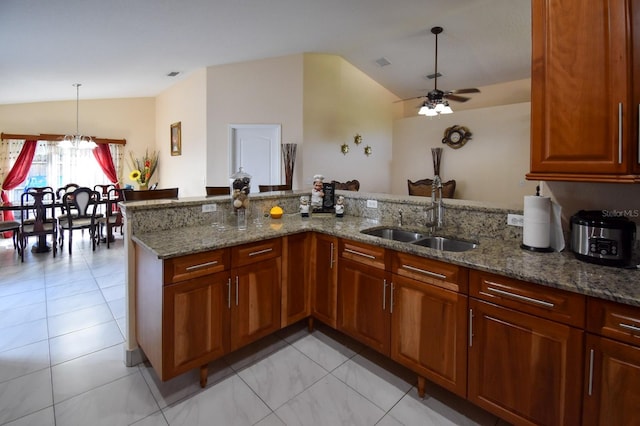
(372, 204)
(207, 208)
(515, 220)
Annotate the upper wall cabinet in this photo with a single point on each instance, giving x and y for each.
(584, 110)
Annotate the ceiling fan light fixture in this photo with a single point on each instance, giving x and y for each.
(446, 109)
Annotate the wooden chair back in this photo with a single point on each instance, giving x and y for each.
(158, 194)
(269, 188)
(70, 187)
(422, 188)
(351, 185)
(218, 190)
(42, 203)
(103, 190)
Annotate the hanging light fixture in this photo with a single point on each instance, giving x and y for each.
(435, 103)
(77, 140)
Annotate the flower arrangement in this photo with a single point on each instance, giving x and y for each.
(142, 169)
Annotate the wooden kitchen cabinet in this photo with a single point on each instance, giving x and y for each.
(429, 321)
(364, 304)
(296, 292)
(364, 298)
(324, 281)
(584, 122)
(182, 310)
(525, 368)
(612, 367)
(256, 296)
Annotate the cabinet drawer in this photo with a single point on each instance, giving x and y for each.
(255, 252)
(430, 271)
(362, 253)
(195, 265)
(545, 302)
(615, 320)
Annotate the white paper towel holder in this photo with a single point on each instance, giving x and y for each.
(537, 249)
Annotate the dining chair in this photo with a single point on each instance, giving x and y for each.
(70, 187)
(422, 188)
(85, 202)
(42, 203)
(113, 216)
(218, 190)
(12, 226)
(269, 188)
(351, 185)
(103, 190)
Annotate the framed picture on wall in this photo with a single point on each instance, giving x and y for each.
(176, 139)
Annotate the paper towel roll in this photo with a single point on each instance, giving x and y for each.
(537, 221)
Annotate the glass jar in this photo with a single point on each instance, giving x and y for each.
(240, 183)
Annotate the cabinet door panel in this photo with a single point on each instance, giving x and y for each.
(579, 76)
(364, 305)
(429, 332)
(196, 324)
(526, 369)
(257, 302)
(612, 383)
(324, 296)
(295, 278)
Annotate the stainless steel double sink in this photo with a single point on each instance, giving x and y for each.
(416, 238)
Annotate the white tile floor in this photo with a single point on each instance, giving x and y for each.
(61, 363)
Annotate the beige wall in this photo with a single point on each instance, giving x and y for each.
(490, 167)
(184, 102)
(268, 91)
(131, 119)
(340, 102)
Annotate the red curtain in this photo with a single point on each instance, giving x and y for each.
(103, 157)
(17, 175)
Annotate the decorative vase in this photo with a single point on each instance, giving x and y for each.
(289, 159)
(143, 186)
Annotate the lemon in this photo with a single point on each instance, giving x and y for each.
(276, 212)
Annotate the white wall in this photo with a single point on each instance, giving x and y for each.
(267, 91)
(340, 102)
(490, 167)
(184, 102)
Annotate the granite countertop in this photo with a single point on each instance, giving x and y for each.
(504, 257)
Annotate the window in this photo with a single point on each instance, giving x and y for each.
(55, 167)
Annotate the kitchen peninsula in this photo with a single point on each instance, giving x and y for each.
(455, 318)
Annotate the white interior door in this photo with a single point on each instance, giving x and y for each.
(256, 148)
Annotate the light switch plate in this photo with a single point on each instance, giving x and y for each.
(207, 208)
(372, 204)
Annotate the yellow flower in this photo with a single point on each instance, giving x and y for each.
(135, 175)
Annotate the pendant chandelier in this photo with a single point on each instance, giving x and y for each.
(77, 140)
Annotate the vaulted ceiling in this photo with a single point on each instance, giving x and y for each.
(126, 48)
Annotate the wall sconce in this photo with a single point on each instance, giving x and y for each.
(344, 148)
(367, 150)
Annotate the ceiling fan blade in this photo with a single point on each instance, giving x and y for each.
(456, 98)
(409, 99)
(469, 90)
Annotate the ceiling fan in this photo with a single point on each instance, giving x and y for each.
(437, 100)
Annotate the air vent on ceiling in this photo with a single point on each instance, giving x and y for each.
(383, 62)
(173, 73)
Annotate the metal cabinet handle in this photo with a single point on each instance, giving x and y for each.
(520, 297)
(255, 253)
(591, 372)
(202, 265)
(229, 293)
(236, 290)
(470, 327)
(631, 328)
(392, 290)
(619, 132)
(424, 271)
(384, 294)
(357, 253)
(331, 257)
